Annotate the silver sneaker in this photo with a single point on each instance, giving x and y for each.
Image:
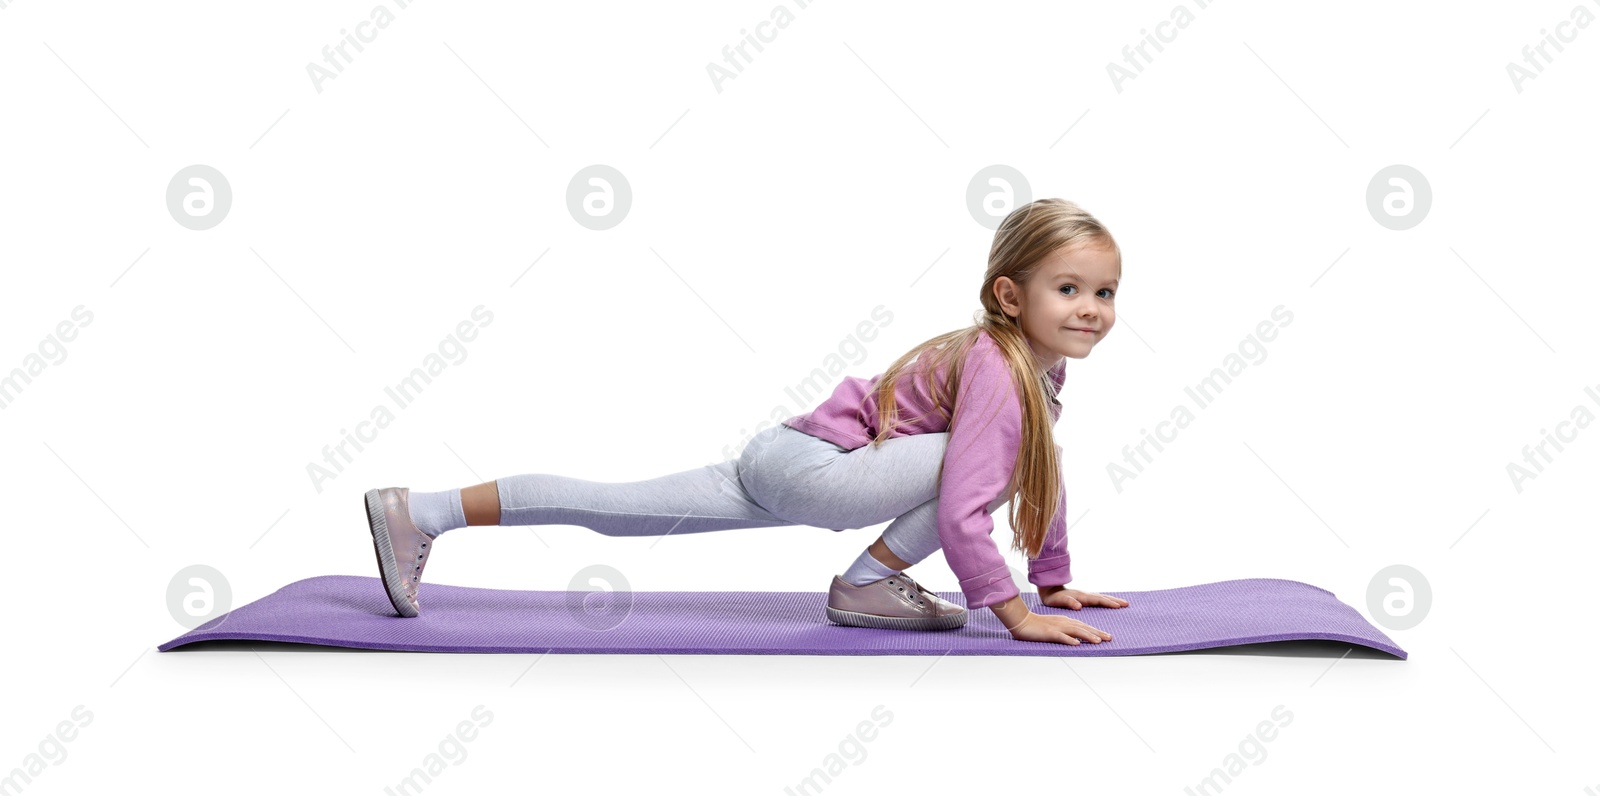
(896, 602)
(401, 548)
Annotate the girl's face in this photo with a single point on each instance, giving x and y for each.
(1069, 305)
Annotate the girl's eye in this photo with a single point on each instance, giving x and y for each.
(1102, 290)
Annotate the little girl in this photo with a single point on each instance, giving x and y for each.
(984, 409)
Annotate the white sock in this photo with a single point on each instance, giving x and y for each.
(867, 569)
(436, 512)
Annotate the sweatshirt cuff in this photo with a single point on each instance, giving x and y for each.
(1052, 571)
(994, 586)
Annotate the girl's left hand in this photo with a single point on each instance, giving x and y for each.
(1063, 597)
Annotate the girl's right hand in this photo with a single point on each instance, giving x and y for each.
(1056, 628)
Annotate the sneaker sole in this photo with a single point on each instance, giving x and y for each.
(854, 619)
(384, 549)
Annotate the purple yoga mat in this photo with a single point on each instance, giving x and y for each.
(352, 611)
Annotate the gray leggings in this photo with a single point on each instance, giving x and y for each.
(782, 477)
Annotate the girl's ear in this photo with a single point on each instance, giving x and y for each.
(1005, 291)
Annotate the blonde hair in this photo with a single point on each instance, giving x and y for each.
(1026, 236)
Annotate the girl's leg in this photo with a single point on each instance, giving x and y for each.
(481, 504)
(813, 482)
(861, 488)
(783, 477)
(914, 535)
(810, 481)
(882, 552)
(709, 498)
(866, 486)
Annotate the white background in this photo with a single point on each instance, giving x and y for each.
(768, 220)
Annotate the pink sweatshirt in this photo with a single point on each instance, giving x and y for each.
(977, 463)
